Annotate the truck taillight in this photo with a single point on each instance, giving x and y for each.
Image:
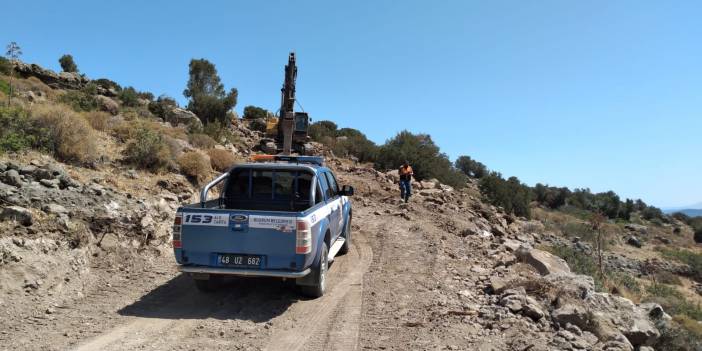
(176, 231)
(303, 237)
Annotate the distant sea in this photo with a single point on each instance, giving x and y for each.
(690, 212)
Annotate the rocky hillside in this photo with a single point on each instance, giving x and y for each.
(85, 257)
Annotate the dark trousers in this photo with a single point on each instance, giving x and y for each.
(405, 189)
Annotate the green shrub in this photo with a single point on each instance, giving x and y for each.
(579, 263)
(145, 95)
(19, 132)
(470, 167)
(148, 150)
(666, 277)
(129, 97)
(4, 87)
(321, 130)
(108, 84)
(673, 301)
(81, 100)
(511, 194)
(5, 66)
(220, 132)
(71, 137)
(692, 259)
(626, 281)
(676, 336)
(424, 156)
(254, 112)
(162, 106)
(208, 99)
(258, 125)
(67, 63)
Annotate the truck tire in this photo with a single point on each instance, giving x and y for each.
(207, 285)
(347, 235)
(319, 288)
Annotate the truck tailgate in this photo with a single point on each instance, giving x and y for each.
(212, 237)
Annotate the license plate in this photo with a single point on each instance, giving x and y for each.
(232, 260)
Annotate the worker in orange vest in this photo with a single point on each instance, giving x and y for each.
(406, 174)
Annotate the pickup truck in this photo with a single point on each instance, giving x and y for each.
(285, 217)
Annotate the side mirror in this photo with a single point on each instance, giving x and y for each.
(346, 190)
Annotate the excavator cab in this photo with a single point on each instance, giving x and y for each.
(302, 123)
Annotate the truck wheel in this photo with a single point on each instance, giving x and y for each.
(347, 235)
(318, 289)
(207, 285)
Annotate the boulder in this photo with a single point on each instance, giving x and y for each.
(27, 170)
(425, 184)
(65, 181)
(497, 285)
(570, 286)
(42, 173)
(513, 245)
(17, 213)
(50, 183)
(544, 262)
(109, 242)
(54, 209)
(617, 315)
(32, 96)
(63, 80)
(634, 241)
(393, 175)
(512, 302)
(637, 228)
(106, 90)
(12, 177)
(532, 309)
(107, 104)
(269, 147)
(573, 314)
(182, 116)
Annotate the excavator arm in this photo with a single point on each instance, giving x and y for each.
(286, 125)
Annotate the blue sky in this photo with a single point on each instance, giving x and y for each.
(598, 94)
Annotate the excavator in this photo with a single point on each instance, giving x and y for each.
(289, 129)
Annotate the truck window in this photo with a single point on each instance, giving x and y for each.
(332, 184)
(268, 190)
(325, 186)
(319, 195)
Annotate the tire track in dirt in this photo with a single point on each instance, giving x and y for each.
(337, 315)
(137, 330)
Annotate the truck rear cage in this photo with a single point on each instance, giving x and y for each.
(315, 160)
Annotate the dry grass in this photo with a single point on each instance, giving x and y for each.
(33, 84)
(195, 165)
(173, 132)
(202, 141)
(690, 324)
(98, 120)
(221, 160)
(125, 130)
(72, 138)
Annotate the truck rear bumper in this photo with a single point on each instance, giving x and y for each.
(243, 272)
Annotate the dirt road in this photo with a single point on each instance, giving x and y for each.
(409, 282)
(245, 313)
